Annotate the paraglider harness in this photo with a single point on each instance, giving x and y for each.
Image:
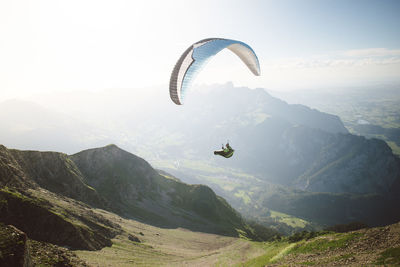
(226, 152)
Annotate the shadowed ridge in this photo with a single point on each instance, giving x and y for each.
(10, 172)
(37, 192)
(57, 173)
(138, 191)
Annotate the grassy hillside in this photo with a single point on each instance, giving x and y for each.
(172, 247)
(375, 246)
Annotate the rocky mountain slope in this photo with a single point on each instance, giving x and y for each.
(57, 173)
(136, 190)
(50, 195)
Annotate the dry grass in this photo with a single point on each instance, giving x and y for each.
(170, 247)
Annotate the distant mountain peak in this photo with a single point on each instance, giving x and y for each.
(108, 149)
(111, 146)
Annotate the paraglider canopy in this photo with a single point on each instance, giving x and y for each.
(197, 55)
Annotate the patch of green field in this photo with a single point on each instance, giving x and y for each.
(287, 219)
(244, 196)
(395, 148)
(169, 177)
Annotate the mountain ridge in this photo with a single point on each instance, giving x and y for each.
(112, 179)
(140, 192)
(291, 146)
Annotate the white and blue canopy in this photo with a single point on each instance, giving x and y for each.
(197, 55)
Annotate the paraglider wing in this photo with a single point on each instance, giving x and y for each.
(197, 55)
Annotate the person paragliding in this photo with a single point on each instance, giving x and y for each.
(195, 58)
(226, 152)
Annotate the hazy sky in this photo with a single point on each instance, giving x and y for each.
(50, 45)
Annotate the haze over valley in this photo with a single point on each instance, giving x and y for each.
(286, 154)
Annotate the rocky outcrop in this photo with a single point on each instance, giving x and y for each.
(10, 171)
(57, 173)
(24, 172)
(14, 250)
(39, 222)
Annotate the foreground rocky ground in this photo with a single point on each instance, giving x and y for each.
(144, 245)
(365, 247)
(17, 250)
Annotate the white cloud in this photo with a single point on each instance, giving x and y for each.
(372, 52)
(349, 58)
(338, 68)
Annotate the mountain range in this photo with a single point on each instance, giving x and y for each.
(50, 189)
(287, 156)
